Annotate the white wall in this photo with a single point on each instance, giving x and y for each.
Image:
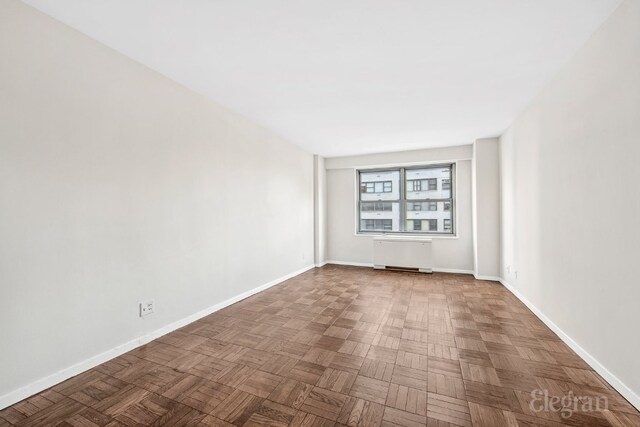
(118, 185)
(343, 245)
(486, 208)
(571, 204)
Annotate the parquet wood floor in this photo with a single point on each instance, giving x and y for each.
(342, 346)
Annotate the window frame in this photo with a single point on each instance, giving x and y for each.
(402, 201)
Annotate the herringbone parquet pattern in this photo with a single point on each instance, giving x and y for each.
(342, 346)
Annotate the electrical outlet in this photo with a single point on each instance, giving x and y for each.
(147, 308)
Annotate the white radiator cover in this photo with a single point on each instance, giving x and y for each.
(402, 252)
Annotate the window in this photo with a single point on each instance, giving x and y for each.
(377, 187)
(406, 200)
(377, 224)
(376, 207)
(429, 184)
(429, 206)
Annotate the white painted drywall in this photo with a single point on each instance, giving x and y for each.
(344, 245)
(570, 198)
(486, 208)
(320, 210)
(119, 185)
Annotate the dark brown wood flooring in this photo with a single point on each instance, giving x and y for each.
(344, 346)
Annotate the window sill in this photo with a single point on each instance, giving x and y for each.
(409, 236)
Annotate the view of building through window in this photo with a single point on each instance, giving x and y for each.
(406, 200)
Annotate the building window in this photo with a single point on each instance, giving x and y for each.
(377, 224)
(430, 184)
(377, 187)
(406, 200)
(377, 207)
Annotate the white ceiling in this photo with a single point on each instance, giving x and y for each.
(342, 77)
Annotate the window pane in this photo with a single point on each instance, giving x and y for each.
(432, 217)
(379, 216)
(428, 183)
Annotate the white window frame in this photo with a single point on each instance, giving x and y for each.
(403, 200)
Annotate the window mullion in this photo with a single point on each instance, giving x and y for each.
(403, 207)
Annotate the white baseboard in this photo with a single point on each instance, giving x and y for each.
(452, 270)
(56, 378)
(615, 382)
(353, 264)
(370, 264)
(322, 264)
(491, 278)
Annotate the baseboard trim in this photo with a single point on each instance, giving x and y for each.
(369, 264)
(490, 278)
(353, 264)
(322, 264)
(56, 378)
(614, 381)
(452, 270)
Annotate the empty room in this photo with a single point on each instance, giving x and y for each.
(319, 213)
